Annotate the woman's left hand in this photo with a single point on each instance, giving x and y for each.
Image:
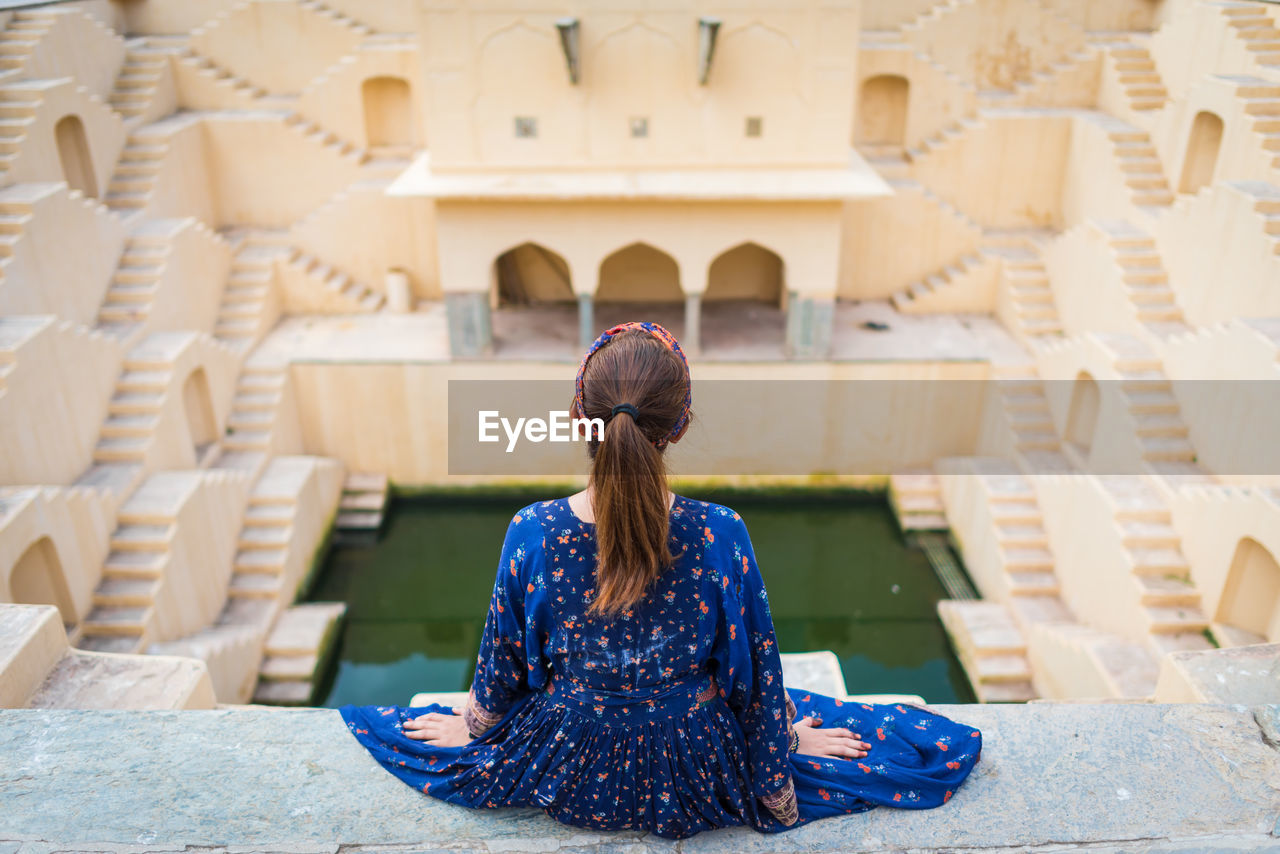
(440, 730)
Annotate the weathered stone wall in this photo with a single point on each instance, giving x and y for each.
(1053, 776)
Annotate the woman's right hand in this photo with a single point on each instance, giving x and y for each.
(833, 741)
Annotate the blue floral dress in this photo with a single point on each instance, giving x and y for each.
(671, 717)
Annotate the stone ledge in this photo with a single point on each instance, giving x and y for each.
(1113, 777)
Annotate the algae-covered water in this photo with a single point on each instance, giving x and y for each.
(838, 574)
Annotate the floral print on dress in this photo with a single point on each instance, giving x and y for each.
(670, 717)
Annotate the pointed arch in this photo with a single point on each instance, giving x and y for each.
(639, 272)
(530, 273)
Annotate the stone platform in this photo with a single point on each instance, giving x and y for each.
(1052, 777)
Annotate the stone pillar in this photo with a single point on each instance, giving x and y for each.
(399, 299)
(692, 343)
(809, 321)
(586, 322)
(470, 330)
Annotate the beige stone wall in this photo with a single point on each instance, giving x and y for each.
(393, 417)
(789, 64)
(472, 235)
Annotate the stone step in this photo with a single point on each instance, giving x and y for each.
(269, 514)
(264, 537)
(152, 538)
(1016, 512)
(132, 563)
(125, 592)
(365, 482)
(1021, 536)
(369, 501)
(1168, 591)
(260, 560)
(1159, 561)
(359, 520)
(283, 693)
(1170, 619)
(1022, 559)
(136, 426)
(288, 667)
(1144, 534)
(116, 620)
(255, 585)
(1033, 584)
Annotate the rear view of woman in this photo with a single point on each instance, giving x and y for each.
(629, 676)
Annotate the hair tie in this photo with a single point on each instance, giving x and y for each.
(662, 335)
(624, 407)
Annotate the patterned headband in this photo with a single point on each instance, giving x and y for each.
(662, 335)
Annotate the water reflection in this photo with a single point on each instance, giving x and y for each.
(838, 575)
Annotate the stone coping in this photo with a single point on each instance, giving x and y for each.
(1113, 777)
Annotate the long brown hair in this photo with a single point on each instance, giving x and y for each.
(628, 470)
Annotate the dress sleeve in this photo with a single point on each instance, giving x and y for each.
(501, 668)
(751, 667)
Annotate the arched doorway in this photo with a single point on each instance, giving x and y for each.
(640, 282)
(73, 153)
(1251, 596)
(198, 405)
(534, 308)
(1082, 416)
(882, 111)
(742, 307)
(388, 112)
(38, 579)
(1202, 152)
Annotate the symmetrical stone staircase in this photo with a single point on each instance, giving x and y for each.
(17, 115)
(334, 15)
(1267, 205)
(1170, 602)
(991, 649)
(255, 408)
(1138, 75)
(916, 499)
(363, 505)
(295, 650)
(1033, 315)
(1023, 543)
(261, 550)
(350, 293)
(1262, 106)
(242, 316)
(20, 37)
(139, 78)
(133, 286)
(1025, 410)
(14, 218)
(1144, 175)
(1148, 396)
(1146, 284)
(136, 173)
(123, 602)
(1259, 33)
(911, 298)
(328, 139)
(134, 410)
(237, 88)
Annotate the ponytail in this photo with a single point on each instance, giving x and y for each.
(639, 387)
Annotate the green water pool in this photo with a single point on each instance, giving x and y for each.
(838, 573)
